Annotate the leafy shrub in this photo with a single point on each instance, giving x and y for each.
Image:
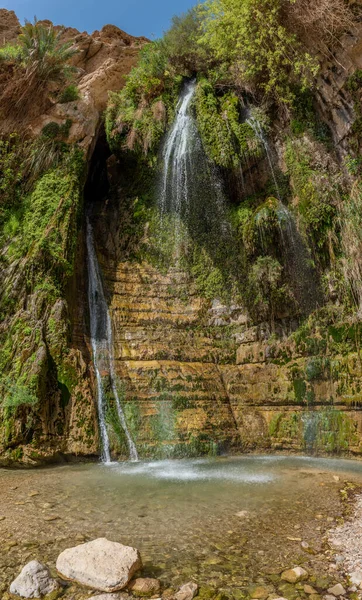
(53, 130)
(69, 94)
(185, 52)
(40, 57)
(317, 192)
(136, 117)
(42, 52)
(249, 36)
(226, 140)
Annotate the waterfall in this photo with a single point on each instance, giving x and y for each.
(176, 154)
(190, 192)
(102, 348)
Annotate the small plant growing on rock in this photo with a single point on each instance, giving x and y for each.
(69, 94)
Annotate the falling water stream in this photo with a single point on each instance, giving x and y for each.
(177, 155)
(102, 347)
(191, 196)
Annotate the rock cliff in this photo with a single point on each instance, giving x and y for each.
(196, 374)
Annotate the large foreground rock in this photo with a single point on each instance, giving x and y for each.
(34, 581)
(100, 564)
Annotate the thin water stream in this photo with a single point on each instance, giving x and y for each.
(102, 348)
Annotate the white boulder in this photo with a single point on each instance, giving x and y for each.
(102, 565)
(34, 581)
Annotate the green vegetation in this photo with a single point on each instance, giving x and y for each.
(137, 116)
(318, 193)
(37, 61)
(251, 39)
(42, 183)
(227, 141)
(40, 52)
(69, 94)
(17, 395)
(265, 287)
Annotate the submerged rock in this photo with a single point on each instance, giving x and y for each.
(34, 581)
(100, 564)
(337, 590)
(111, 597)
(308, 589)
(294, 575)
(144, 586)
(259, 592)
(187, 591)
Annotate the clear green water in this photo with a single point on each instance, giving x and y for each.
(186, 517)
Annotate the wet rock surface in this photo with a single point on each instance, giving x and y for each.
(144, 586)
(187, 591)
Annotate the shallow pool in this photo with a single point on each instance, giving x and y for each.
(224, 522)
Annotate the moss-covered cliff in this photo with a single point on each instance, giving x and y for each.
(246, 336)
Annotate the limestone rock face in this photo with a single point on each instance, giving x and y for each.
(334, 100)
(9, 26)
(102, 62)
(34, 581)
(102, 565)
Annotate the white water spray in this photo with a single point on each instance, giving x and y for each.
(102, 348)
(190, 189)
(177, 151)
(177, 162)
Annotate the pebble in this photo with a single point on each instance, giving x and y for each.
(2, 518)
(337, 590)
(51, 518)
(308, 589)
(294, 575)
(187, 591)
(356, 577)
(259, 593)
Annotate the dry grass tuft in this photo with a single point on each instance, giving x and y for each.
(319, 24)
